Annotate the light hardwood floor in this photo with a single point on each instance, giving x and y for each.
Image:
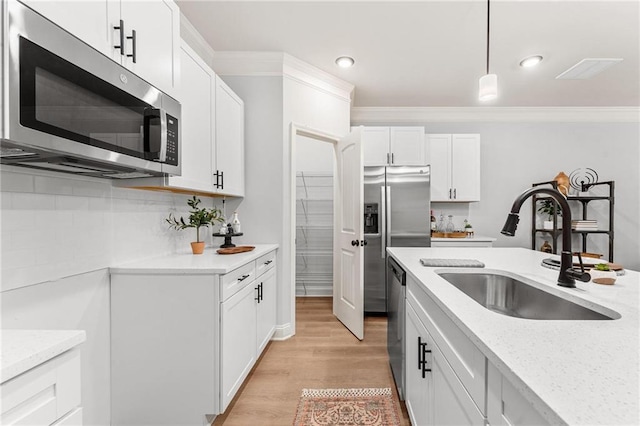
(322, 354)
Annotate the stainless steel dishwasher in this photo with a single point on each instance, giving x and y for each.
(396, 294)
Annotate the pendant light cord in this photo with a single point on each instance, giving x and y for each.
(488, 25)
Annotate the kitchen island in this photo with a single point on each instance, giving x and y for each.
(569, 371)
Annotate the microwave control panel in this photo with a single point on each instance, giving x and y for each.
(172, 140)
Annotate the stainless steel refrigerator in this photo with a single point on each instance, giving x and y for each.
(396, 214)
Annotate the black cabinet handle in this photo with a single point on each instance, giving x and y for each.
(121, 29)
(355, 243)
(450, 193)
(132, 37)
(422, 357)
(261, 291)
(454, 193)
(363, 243)
(244, 277)
(221, 180)
(258, 295)
(268, 262)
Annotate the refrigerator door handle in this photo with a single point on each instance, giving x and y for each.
(388, 216)
(383, 223)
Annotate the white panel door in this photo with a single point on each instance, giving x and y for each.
(407, 146)
(418, 391)
(196, 97)
(375, 145)
(87, 20)
(229, 139)
(237, 341)
(348, 285)
(266, 324)
(452, 405)
(465, 164)
(157, 45)
(439, 147)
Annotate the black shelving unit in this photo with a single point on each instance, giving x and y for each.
(584, 201)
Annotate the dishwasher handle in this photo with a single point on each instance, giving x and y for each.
(397, 272)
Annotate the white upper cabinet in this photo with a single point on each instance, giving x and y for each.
(157, 41)
(229, 119)
(155, 23)
(455, 166)
(197, 123)
(211, 134)
(397, 146)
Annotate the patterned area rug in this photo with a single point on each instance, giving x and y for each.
(346, 407)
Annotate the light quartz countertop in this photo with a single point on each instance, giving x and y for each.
(24, 349)
(477, 238)
(210, 262)
(573, 372)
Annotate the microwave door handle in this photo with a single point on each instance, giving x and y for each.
(162, 157)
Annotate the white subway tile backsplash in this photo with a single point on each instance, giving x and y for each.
(70, 202)
(16, 182)
(77, 226)
(32, 201)
(51, 185)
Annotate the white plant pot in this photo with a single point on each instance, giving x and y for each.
(548, 224)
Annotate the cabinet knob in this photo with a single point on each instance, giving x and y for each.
(355, 243)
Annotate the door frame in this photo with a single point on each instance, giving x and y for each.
(295, 131)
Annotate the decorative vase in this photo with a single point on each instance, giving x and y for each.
(563, 183)
(197, 247)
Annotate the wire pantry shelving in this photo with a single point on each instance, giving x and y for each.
(314, 233)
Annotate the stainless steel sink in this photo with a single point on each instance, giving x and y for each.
(516, 296)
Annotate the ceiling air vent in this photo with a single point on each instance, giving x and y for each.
(588, 68)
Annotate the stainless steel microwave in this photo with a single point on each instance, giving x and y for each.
(68, 108)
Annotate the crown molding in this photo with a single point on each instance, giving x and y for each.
(415, 115)
(261, 64)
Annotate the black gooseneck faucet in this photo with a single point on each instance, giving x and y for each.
(567, 275)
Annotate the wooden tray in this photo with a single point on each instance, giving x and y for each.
(234, 250)
(449, 235)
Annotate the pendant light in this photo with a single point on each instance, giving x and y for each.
(488, 82)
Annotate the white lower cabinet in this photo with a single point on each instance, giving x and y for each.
(48, 394)
(238, 341)
(418, 385)
(448, 380)
(506, 406)
(434, 395)
(183, 343)
(247, 323)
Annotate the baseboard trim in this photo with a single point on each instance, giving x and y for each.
(312, 291)
(283, 332)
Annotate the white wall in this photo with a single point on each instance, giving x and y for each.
(271, 105)
(515, 155)
(59, 233)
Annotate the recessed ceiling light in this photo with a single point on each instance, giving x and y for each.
(531, 61)
(345, 62)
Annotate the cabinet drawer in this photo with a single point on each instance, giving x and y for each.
(43, 394)
(465, 358)
(265, 262)
(235, 280)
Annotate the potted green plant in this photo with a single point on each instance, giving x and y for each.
(198, 218)
(548, 207)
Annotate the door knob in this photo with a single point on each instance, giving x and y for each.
(355, 242)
